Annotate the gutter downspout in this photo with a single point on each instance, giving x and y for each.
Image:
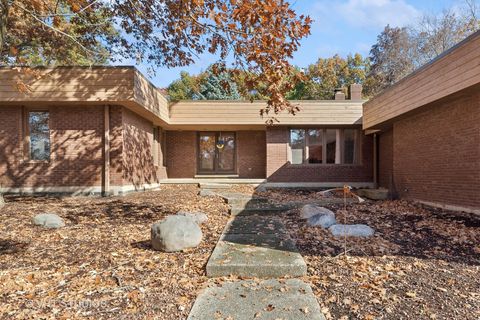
(106, 152)
(375, 161)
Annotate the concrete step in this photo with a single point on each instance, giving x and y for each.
(255, 224)
(247, 299)
(217, 186)
(242, 211)
(256, 255)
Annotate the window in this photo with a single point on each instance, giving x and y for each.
(297, 143)
(324, 146)
(315, 146)
(350, 146)
(331, 145)
(39, 133)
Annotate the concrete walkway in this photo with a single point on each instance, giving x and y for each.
(256, 244)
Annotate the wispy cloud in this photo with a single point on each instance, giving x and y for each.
(367, 13)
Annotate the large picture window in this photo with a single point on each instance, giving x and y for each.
(39, 133)
(324, 146)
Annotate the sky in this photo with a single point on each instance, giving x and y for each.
(339, 27)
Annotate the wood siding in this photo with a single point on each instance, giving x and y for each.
(455, 70)
(248, 113)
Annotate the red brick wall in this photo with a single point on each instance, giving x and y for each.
(280, 170)
(181, 154)
(251, 154)
(385, 160)
(138, 162)
(76, 135)
(437, 153)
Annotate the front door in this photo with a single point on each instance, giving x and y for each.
(216, 152)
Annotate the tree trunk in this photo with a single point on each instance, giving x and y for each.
(4, 7)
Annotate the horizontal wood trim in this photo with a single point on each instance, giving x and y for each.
(454, 71)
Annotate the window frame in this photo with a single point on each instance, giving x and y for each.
(340, 146)
(27, 154)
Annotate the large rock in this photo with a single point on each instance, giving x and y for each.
(322, 220)
(351, 230)
(175, 233)
(207, 193)
(48, 220)
(310, 210)
(198, 217)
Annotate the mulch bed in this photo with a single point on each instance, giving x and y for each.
(101, 265)
(422, 263)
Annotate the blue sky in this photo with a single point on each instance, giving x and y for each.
(342, 27)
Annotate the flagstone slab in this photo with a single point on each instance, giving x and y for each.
(255, 224)
(269, 299)
(252, 255)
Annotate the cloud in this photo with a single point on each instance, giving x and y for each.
(368, 13)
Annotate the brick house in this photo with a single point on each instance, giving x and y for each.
(109, 130)
(427, 128)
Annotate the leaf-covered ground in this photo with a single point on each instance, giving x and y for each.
(101, 266)
(421, 264)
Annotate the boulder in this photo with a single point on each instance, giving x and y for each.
(198, 217)
(175, 233)
(351, 230)
(310, 210)
(48, 220)
(207, 193)
(261, 188)
(322, 220)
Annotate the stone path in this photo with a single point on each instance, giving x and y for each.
(256, 244)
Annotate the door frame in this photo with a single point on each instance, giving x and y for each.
(215, 170)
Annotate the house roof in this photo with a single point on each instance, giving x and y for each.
(128, 87)
(455, 70)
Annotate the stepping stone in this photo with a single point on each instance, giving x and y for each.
(241, 211)
(250, 255)
(255, 224)
(269, 299)
(215, 186)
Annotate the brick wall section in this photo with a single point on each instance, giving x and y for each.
(251, 154)
(437, 152)
(138, 164)
(116, 145)
(385, 160)
(280, 170)
(181, 154)
(76, 135)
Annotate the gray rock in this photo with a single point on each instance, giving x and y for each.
(175, 233)
(198, 217)
(261, 188)
(351, 230)
(322, 220)
(2, 202)
(207, 193)
(48, 220)
(310, 210)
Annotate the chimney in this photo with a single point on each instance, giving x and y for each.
(339, 95)
(355, 91)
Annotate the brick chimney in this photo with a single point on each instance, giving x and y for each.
(339, 95)
(355, 91)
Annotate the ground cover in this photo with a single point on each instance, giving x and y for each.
(422, 263)
(101, 265)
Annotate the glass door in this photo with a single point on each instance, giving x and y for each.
(216, 152)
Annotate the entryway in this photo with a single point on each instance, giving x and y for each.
(216, 153)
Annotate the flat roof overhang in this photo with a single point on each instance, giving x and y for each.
(453, 71)
(126, 86)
